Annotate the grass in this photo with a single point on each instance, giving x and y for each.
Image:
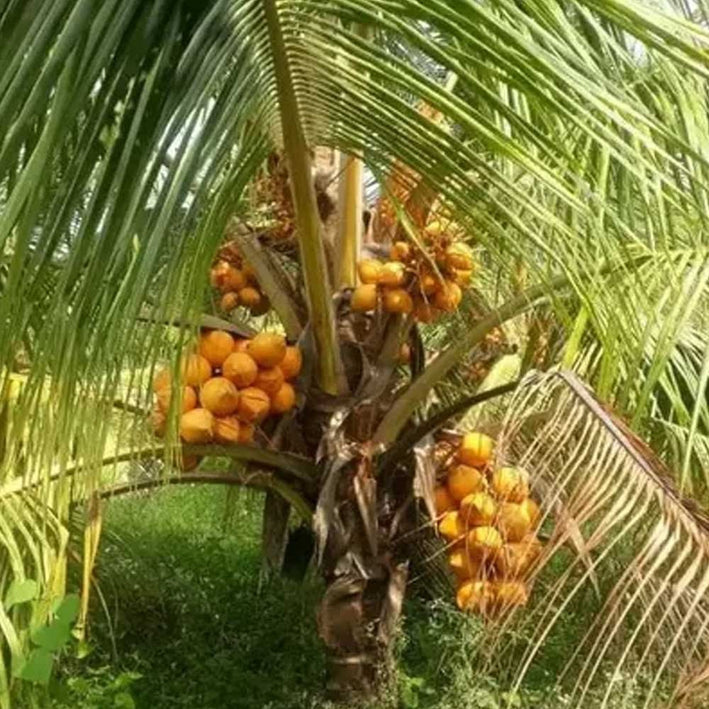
(192, 624)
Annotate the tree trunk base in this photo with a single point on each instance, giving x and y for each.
(357, 620)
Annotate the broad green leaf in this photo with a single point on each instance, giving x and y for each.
(38, 667)
(21, 592)
(52, 637)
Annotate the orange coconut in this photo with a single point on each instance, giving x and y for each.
(240, 369)
(423, 311)
(474, 596)
(196, 370)
(514, 558)
(246, 432)
(241, 345)
(393, 274)
(401, 251)
(448, 297)
(283, 400)
(269, 379)
(442, 500)
(227, 429)
(249, 297)
(254, 405)
(268, 349)
(397, 300)
(292, 362)
(228, 302)
(464, 480)
(220, 396)
(513, 522)
(197, 426)
(216, 346)
(507, 594)
(189, 399)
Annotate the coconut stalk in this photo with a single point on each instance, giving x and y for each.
(313, 261)
(349, 237)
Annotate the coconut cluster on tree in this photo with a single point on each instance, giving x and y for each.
(228, 387)
(489, 521)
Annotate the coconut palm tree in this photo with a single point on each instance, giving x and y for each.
(567, 139)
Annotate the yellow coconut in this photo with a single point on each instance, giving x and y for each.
(532, 510)
(246, 432)
(462, 565)
(195, 370)
(369, 270)
(401, 251)
(476, 449)
(268, 349)
(283, 400)
(478, 509)
(442, 500)
(513, 522)
(474, 596)
(511, 484)
(397, 300)
(240, 369)
(227, 429)
(269, 379)
(292, 362)
(220, 396)
(448, 297)
(216, 346)
(364, 298)
(393, 274)
(188, 402)
(483, 543)
(228, 302)
(464, 480)
(459, 256)
(197, 426)
(254, 405)
(451, 526)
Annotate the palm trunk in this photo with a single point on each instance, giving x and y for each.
(357, 620)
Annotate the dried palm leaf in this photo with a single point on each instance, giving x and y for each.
(631, 530)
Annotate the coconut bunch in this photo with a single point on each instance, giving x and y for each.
(489, 521)
(414, 282)
(229, 386)
(236, 280)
